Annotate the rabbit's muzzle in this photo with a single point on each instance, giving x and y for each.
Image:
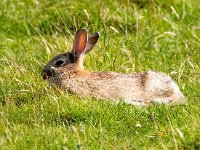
(46, 74)
(49, 72)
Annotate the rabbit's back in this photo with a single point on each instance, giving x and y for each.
(137, 89)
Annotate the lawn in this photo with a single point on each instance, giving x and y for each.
(136, 36)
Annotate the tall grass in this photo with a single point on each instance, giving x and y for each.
(135, 36)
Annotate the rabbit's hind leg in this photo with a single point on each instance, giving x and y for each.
(136, 102)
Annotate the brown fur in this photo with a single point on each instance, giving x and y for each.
(67, 71)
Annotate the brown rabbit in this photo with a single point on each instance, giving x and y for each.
(66, 70)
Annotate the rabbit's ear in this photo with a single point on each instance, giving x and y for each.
(80, 42)
(92, 40)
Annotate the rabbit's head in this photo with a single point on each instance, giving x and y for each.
(73, 59)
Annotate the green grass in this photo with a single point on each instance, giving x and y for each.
(135, 36)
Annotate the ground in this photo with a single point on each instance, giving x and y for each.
(136, 36)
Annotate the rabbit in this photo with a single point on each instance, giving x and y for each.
(139, 89)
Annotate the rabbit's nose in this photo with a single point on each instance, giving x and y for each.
(46, 74)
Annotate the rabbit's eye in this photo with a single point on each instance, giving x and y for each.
(59, 62)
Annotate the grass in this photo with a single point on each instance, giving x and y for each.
(135, 36)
